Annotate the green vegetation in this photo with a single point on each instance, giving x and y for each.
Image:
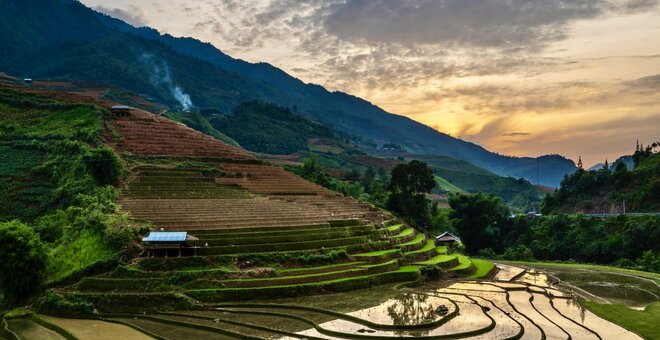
(408, 186)
(269, 128)
(23, 260)
(595, 267)
(197, 122)
(371, 186)
(606, 190)
(626, 241)
(30, 116)
(52, 175)
(478, 218)
(644, 323)
(484, 267)
(444, 185)
(454, 175)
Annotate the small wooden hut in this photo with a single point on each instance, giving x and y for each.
(164, 242)
(447, 239)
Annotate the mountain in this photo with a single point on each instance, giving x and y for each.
(64, 40)
(627, 160)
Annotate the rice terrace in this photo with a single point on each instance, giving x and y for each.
(153, 187)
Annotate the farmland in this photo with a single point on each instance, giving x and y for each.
(273, 255)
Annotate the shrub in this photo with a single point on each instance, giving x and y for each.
(487, 253)
(519, 253)
(52, 303)
(22, 260)
(104, 165)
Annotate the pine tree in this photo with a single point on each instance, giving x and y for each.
(579, 163)
(606, 166)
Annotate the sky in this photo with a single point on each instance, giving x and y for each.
(580, 78)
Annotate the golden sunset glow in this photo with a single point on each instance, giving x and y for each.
(577, 79)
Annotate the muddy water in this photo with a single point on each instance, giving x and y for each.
(542, 304)
(28, 329)
(505, 325)
(507, 272)
(531, 331)
(471, 317)
(409, 309)
(96, 330)
(535, 277)
(606, 329)
(520, 300)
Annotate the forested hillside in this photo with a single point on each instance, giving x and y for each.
(63, 40)
(55, 188)
(607, 190)
(269, 128)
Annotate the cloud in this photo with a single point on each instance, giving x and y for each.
(134, 15)
(494, 23)
(516, 134)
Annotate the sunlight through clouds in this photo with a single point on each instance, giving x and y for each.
(519, 77)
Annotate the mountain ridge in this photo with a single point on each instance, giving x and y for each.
(214, 79)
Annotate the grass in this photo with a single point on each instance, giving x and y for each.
(445, 185)
(484, 267)
(442, 249)
(394, 227)
(644, 323)
(648, 275)
(418, 238)
(430, 244)
(378, 253)
(17, 313)
(404, 233)
(464, 262)
(438, 260)
(68, 258)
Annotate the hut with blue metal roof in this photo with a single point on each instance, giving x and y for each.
(163, 242)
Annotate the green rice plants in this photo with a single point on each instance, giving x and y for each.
(445, 261)
(52, 303)
(340, 285)
(483, 268)
(288, 246)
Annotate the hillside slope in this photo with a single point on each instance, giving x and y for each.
(606, 190)
(62, 39)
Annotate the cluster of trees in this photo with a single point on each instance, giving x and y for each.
(486, 227)
(606, 189)
(41, 251)
(370, 186)
(403, 192)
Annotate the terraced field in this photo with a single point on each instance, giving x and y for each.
(503, 307)
(237, 264)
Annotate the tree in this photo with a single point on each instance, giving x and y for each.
(104, 165)
(23, 260)
(408, 185)
(479, 219)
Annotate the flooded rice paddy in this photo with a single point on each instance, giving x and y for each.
(517, 303)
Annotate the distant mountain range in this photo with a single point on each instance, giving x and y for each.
(627, 160)
(64, 40)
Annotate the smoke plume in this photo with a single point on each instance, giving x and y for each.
(160, 76)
